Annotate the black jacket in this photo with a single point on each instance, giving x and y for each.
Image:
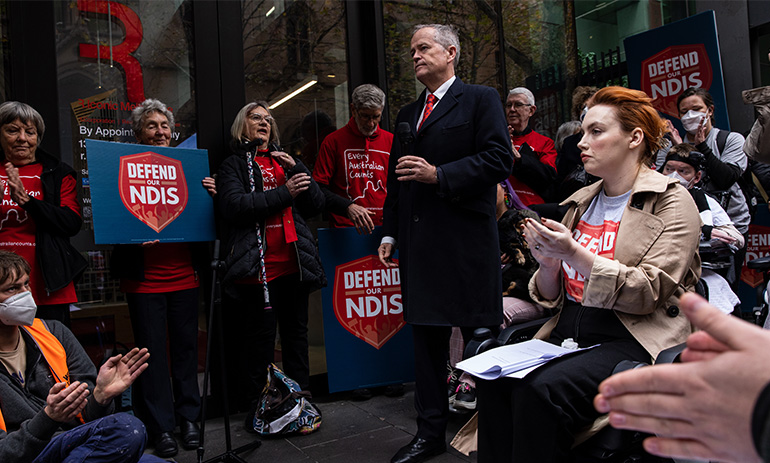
(60, 262)
(242, 210)
(449, 255)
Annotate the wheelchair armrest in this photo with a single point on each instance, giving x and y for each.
(521, 331)
(482, 341)
(671, 355)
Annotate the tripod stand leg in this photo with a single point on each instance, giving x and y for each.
(215, 325)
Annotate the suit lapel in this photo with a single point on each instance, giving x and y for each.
(444, 105)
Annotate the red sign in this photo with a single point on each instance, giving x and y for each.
(121, 52)
(757, 245)
(367, 300)
(153, 188)
(667, 74)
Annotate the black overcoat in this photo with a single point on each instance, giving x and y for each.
(446, 234)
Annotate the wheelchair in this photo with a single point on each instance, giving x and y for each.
(608, 445)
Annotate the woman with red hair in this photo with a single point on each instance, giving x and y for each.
(612, 271)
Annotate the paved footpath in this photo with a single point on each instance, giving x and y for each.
(351, 432)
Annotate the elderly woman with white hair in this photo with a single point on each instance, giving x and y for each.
(161, 283)
(271, 260)
(40, 210)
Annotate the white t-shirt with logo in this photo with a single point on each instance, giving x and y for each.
(596, 231)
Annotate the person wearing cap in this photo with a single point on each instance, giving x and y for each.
(686, 164)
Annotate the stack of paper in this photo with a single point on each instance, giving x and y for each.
(514, 360)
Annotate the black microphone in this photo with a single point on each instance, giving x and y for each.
(406, 137)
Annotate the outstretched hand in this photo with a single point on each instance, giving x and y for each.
(702, 408)
(118, 373)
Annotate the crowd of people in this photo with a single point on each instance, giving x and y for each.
(612, 264)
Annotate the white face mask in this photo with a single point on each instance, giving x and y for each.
(683, 181)
(18, 309)
(691, 121)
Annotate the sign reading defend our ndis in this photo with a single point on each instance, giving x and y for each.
(665, 61)
(144, 193)
(367, 341)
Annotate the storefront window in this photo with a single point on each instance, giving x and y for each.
(295, 59)
(538, 55)
(479, 44)
(111, 55)
(533, 37)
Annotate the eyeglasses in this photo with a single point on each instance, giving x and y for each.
(258, 118)
(518, 105)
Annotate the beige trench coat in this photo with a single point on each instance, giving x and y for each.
(656, 261)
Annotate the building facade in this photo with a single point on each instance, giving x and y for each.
(84, 64)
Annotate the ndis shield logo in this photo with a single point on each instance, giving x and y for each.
(668, 73)
(367, 300)
(153, 188)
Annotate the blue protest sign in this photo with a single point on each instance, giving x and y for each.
(367, 341)
(143, 193)
(665, 61)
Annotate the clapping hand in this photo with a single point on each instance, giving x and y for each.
(65, 402)
(118, 373)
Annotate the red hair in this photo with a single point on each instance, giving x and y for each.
(633, 108)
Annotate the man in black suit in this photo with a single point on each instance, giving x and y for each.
(440, 212)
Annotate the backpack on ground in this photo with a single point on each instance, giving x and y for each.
(284, 408)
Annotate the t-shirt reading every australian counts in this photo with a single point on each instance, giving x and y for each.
(596, 231)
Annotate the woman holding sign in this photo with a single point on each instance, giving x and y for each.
(612, 270)
(161, 283)
(271, 261)
(40, 211)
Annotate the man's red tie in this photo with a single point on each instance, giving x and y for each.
(428, 108)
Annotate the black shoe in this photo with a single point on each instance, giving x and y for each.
(165, 445)
(465, 397)
(394, 390)
(418, 450)
(190, 434)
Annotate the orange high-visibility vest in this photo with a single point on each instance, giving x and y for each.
(53, 353)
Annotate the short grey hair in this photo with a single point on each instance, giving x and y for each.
(445, 35)
(567, 129)
(368, 96)
(13, 110)
(524, 91)
(147, 107)
(239, 124)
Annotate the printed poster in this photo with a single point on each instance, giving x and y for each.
(665, 61)
(144, 193)
(757, 245)
(368, 343)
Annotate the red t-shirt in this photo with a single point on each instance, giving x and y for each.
(167, 267)
(596, 231)
(17, 229)
(280, 254)
(545, 150)
(355, 167)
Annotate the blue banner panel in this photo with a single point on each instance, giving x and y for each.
(368, 343)
(144, 193)
(665, 61)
